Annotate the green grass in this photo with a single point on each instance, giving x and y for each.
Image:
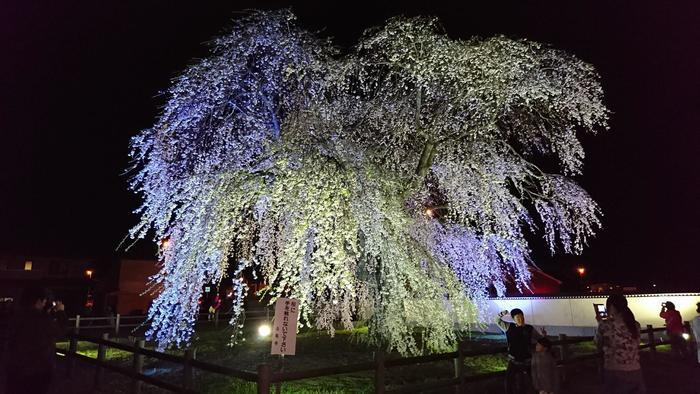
(314, 350)
(583, 348)
(217, 384)
(89, 349)
(485, 364)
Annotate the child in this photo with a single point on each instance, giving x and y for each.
(545, 377)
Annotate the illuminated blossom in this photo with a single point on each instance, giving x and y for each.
(395, 183)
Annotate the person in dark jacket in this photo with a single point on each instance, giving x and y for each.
(32, 343)
(521, 340)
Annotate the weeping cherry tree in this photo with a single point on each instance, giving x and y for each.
(395, 183)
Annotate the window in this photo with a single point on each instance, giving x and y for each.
(28, 265)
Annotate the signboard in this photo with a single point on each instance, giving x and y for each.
(284, 332)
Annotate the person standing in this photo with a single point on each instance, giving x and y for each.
(545, 376)
(695, 324)
(214, 308)
(521, 339)
(674, 328)
(31, 347)
(618, 337)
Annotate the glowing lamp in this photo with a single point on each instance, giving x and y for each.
(429, 212)
(686, 336)
(581, 271)
(88, 273)
(264, 330)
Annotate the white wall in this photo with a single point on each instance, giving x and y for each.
(575, 315)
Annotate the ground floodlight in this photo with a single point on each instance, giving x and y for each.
(264, 330)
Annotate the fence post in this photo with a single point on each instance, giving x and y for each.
(72, 349)
(138, 366)
(116, 325)
(650, 339)
(188, 378)
(77, 324)
(101, 356)
(459, 367)
(563, 355)
(379, 372)
(263, 379)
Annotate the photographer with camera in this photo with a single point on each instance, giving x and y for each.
(31, 346)
(674, 328)
(618, 337)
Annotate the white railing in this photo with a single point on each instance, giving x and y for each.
(117, 322)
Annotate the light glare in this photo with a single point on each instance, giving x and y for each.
(264, 330)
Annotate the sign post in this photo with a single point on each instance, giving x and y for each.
(284, 332)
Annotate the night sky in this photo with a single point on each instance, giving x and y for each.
(78, 79)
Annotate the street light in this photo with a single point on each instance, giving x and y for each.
(88, 273)
(581, 271)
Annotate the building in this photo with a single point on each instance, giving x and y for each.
(86, 286)
(607, 287)
(78, 282)
(130, 296)
(541, 283)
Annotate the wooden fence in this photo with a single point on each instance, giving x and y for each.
(116, 323)
(265, 378)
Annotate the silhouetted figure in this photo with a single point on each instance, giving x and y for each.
(521, 340)
(618, 337)
(545, 376)
(674, 328)
(31, 347)
(695, 324)
(214, 308)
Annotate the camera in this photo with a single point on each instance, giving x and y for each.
(600, 311)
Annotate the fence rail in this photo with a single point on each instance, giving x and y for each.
(117, 322)
(265, 378)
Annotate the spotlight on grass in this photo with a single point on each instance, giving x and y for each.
(264, 330)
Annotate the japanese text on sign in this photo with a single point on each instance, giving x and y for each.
(284, 332)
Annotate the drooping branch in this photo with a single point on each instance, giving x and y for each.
(294, 153)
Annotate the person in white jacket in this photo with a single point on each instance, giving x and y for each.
(695, 324)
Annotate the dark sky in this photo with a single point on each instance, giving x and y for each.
(78, 79)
